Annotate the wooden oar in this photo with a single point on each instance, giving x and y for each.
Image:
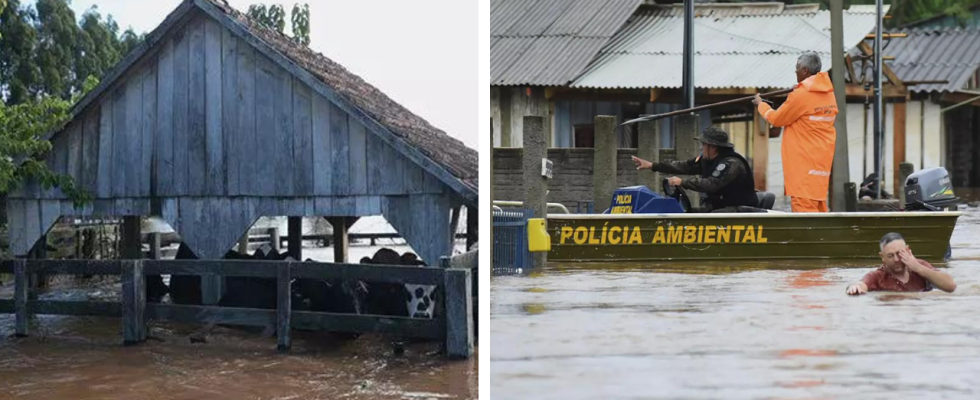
(704, 107)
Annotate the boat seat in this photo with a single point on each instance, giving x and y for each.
(766, 200)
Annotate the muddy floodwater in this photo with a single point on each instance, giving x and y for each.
(734, 331)
(83, 358)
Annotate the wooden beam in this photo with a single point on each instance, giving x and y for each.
(341, 239)
(20, 298)
(472, 226)
(295, 233)
(886, 36)
(735, 91)
(402, 326)
(284, 308)
(885, 69)
(760, 151)
(130, 243)
(898, 147)
(211, 315)
(133, 302)
(956, 98)
(888, 91)
(459, 313)
(77, 308)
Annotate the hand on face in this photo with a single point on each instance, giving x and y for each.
(905, 255)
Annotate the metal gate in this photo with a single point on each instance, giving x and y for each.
(510, 250)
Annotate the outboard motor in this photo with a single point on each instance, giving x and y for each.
(929, 189)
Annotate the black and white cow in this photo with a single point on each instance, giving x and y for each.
(397, 299)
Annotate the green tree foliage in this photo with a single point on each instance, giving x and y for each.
(57, 35)
(274, 17)
(301, 24)
(48, 60)
(44, 52)
(22, 128)
(98, 48)
(19, 73)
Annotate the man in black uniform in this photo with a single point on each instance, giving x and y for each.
(721, 173)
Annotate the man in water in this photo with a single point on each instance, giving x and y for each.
(809, 138)
(720, 172)
(901, 271)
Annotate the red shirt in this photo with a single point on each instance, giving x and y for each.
(882, 280)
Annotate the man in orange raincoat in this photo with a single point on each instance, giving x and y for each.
(809, 136)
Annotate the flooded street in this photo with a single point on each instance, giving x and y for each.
(723, 331)
(83, 358)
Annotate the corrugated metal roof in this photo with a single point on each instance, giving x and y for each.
(550, 42)
(951, 54)
(749, 46)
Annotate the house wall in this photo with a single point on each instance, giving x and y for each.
(509, 106)
(572, 175)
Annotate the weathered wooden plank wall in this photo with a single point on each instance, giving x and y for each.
(219, 134)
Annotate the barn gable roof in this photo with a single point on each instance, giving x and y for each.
(432, 149)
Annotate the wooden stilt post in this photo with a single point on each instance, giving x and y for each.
(284, 307)
(37, 281)
(760, 151)
(21, 307)
(130, 243)
(341, 239)
(459, 312)
(295, 231)
(134, 302)
(275, 239)
(472, 227)
(155, 252)
(243, 244)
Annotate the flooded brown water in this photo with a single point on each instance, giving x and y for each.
(82, 358)
(734, 331)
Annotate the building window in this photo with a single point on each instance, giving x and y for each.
(584, 135)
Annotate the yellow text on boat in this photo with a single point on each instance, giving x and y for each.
(677, 234)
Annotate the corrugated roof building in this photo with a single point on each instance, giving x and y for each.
(737, 45)
(550, 42)
(951, 54)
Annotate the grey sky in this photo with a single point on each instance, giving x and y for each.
(423, 54)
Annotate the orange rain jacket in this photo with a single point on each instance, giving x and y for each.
(808, 140)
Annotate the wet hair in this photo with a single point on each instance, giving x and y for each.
(811, 61)
(888, 238)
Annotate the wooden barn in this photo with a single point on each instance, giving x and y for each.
(215, 121)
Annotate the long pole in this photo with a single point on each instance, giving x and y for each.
(879, 134)
(688, 84)
(704, 107)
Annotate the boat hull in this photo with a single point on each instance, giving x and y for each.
(744, 236)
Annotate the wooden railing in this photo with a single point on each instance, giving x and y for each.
(453, 323)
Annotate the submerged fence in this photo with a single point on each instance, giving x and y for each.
(510, 247)
(454, 324)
